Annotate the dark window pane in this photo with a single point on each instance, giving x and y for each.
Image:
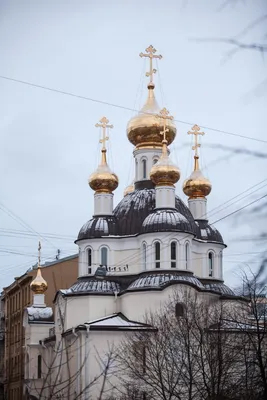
(89, 257)
(104, 256)
(39, 366)
(144, 169)
(173, 251)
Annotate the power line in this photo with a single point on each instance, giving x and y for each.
(124, 107)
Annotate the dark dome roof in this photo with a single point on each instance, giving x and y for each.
(219, 287)
(133, 209)
(98, 227)
(166, 221)
(207, 232)
(92, 284)
(161, 279)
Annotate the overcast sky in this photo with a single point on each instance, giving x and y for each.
(49, 145)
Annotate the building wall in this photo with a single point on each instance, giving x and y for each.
(60, 274)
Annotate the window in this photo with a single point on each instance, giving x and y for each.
(104, 256)
(173, 254)
(89, 256)
(144, 256)
(39, 367)
(144, 168)
(179, 310)
(157, 254)
(155, 161)
(220, 264)
(187, 255)
(211, 262)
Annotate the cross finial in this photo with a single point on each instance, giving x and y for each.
(103, 123)
(196, 132)
(164, 114)
(151, 54)
(39, 253)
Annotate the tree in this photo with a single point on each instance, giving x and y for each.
(197, 352)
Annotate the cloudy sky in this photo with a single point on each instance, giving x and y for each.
(49, 144)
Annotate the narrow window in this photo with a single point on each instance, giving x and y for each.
(104, 256)
(187, 256)
(157, 254)
(173, 254)
(39, 367)
(220, 263)
(155, 161)
(144, 256)
(89, 255)
(144, 168)
(179, 310)
(211, 259)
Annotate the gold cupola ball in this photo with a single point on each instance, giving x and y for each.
(144, 129)
(164, 172)
(197, 186)
(39, 285)
(103, 180)
(128, 189)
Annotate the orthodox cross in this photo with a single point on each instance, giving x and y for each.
(39, 254)
(196, 132)
(104, 125)
(164, 114)
(151, 54)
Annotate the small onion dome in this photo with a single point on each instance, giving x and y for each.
(144, 129)
(39, 285)
(103, 180)
(197, 186)
(164, 172)
(128, 189)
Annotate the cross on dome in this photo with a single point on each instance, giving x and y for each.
(151, 54)
(164, 114)
(196, 132)
(104, 124)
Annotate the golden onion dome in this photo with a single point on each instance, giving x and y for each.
(103, 180)
(164, 172)
(144, 129)
(197, 186)
(129, 189)
(39, 285)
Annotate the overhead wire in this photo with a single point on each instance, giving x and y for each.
(125, 108)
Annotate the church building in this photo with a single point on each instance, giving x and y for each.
(131, 258)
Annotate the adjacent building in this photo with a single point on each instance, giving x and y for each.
(17, 296)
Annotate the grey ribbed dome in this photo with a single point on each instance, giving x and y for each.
(99, 227)
(219, 287)
(208, 232)
(163, 278)
(92, 284)
(166, 221)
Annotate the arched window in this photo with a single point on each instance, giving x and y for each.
(136, 169)
(144, 256)
(39, 367)
(144, 168)
(211, 262)
(155, 160)
(221, 264)
(173, 254)
(89, 259)
(104, 256)
(187, 255)
(179, 310)
(157, 254)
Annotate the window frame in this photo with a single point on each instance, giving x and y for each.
(157, 251)
(144, 168)
(211, 264)
(106, 256)
(173, 259)
(187, 255)
(144, 255)
(89, 253)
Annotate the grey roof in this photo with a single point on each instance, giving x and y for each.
(163, 220)
(98, 227)
(208, 232)
(40, 314)
(164, 278)
(219, 287)
(92, 284)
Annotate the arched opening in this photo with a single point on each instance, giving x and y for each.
(39, 366)
(144, 256)
(157, 254)
(221, 264)
(144, 169)
(173, 254)
(136, 169)
(187, 255)
(89, 260)
(155, 160)
(104, 256)
(211, 263)
(179, 310)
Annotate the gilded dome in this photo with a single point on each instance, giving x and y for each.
(39, 285)
(129, 189)
(103, 180)
(197, 186)
(144, 129)
(164, 172)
